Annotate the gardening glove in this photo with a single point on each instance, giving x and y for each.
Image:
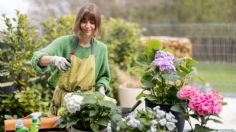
(110, 99)
(61, 63)
(102, 90)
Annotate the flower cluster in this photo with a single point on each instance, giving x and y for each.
(164, 60)
(88, 111)
(73, 102)
(187, 92)
(203, 104)
(164, 74)
(148, 120)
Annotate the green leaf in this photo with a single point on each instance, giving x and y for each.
(108, 104)
(195, 116)
(116, 117)
(189, 62)
(94, 127)
(89, 100)
(150, 97)
(199, 128)
(171, 77)
(103, 121)
(148, 84)
(215, 120)
(142, 59)
(151, 45)
(177, 108)
(140, 95)
(93, 113)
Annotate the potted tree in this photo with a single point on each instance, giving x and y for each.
(163, 76)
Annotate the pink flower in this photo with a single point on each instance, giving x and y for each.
(206, 103)
(187, 92)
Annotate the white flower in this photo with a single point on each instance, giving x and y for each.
(157, 108)
(154, 122)
(110, 99)
(73, 102)
(169, 116)
(153, 128)
(162, 122)
(109, 127)
(132, 114)
(160, 113)
(133, 122)
(170, 125)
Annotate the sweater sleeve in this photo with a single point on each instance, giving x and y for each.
(53, 49)
(104, 74)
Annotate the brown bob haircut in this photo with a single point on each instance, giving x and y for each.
(92, 12)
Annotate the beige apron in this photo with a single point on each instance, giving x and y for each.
(81, 76)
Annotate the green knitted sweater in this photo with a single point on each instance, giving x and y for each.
(63, 46)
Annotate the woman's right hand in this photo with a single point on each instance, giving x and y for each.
(61, 63)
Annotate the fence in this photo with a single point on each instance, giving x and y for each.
(211, 42)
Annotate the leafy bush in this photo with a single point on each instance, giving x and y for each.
(21, 40)
(123, 39)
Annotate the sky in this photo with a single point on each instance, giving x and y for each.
(8, 7)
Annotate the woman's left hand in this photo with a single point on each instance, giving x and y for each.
(102, 90)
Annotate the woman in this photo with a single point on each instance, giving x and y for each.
(76, 62)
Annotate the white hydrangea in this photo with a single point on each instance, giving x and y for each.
(109, 129)
(153, 128)
(156, 108)
(72, 102)
(133, 122)
(132, 114)
(170, 126)
(160, 113)
(154, 122)
(162, 122)
(170, 117)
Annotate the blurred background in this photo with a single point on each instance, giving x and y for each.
(202, 29)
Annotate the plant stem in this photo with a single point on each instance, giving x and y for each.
(189, 119)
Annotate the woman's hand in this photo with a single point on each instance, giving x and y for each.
(60, 62)
(101, 89)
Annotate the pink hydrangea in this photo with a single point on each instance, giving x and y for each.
(187, 92)
(206, 103)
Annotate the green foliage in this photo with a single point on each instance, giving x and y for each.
(20, 39)
(147, 120)
(55, 27)
(123, 39)
(94, 113)
(164, 85)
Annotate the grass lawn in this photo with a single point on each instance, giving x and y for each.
(222, 77)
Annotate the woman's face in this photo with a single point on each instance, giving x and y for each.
(87, 27)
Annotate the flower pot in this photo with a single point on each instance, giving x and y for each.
(127, 96)
(72, 129)
(167, 108)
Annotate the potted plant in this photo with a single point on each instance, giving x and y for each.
(90, 111)
(163, 76)
(148, 120)
(203, 106)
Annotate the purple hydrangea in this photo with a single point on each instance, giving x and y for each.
(164, 60)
